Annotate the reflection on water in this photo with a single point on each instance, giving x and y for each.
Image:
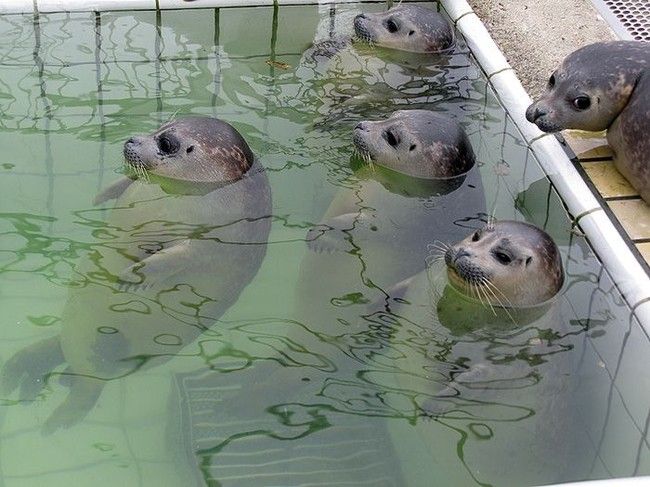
(321, 371)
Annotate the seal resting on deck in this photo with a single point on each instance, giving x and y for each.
(188, 232)
(604, 86)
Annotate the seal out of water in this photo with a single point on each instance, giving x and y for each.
(604, 86)
(406, 27)
(175, 261)
(506, 264)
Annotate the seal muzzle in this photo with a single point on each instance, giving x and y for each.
(361, 30)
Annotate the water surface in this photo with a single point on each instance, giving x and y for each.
(274, 393)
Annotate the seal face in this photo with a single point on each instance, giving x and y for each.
(407, 28)
(417, 143)
(604, 86)
(506, 264)
(180, 149)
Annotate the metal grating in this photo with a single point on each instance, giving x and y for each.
(630, 19)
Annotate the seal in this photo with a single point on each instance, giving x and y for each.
(407, 28)
(507, 264)
(418, 143)
(421, 184)
(604, 86)
(188, 232)
(494, 357)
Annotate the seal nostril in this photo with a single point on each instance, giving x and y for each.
(534, 112)
(460, 254)
(361, 126)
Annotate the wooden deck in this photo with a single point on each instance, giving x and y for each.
(595, 158)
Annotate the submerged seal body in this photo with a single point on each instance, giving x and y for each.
(421, 184)
(604, 86)
(407, 28)
(188, 232)
(496, 361)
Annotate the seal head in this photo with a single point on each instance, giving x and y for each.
(418, 143)
(604, 86)
(591, 87)
(192, 149)
(407, 28)
(506, 264)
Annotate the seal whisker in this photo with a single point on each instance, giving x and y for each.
(440, 245)
(145, 174)
(491, 220)
(173, 115)
(481, 292)
(495, 289)
(491, 288)
(487, 299)
(434, 259)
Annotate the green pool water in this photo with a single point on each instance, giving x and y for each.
(315, 376)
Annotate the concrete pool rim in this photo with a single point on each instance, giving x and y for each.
(584, 208)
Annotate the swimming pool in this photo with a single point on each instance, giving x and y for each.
(262, 397)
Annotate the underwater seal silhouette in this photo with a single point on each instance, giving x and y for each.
(187, 233)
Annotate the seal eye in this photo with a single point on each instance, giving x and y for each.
(582, 102)
(391, 138)
(167, 144)
(392, 26)
(503, 258)
(551, 81)
(476, 237)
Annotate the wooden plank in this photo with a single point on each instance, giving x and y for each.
(588, 145)
(609, 182)
(644, 248)
(634, 215)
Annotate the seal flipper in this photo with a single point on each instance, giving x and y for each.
(113, 191)
(30, 367)
(83, 396)
(157, 267)
(335, 234)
